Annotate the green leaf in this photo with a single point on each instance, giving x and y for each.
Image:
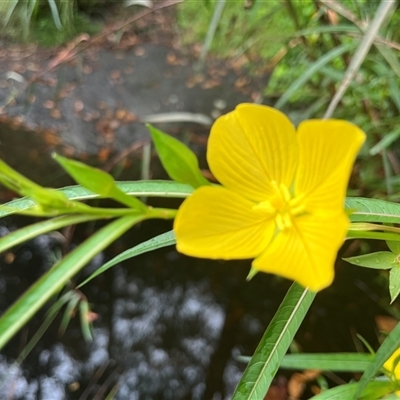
(163, 240)
(341, 362)
(394, 283)
(52, 281)
(373, 391)
(178, 160)
(337, 362)
(98, 181)
(378, 260)
(276, 340)
(386, 349)
(394, 246)
(46, 198)
(139, 188)
(372, 210)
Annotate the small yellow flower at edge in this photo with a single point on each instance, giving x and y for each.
(392, 365)
(282, 195)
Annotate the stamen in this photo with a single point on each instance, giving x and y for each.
(282, 206)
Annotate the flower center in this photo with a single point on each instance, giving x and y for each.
(282, 206)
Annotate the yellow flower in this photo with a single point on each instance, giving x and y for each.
(282, 195)
(392, 365)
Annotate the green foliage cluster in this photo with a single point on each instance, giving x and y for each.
(48, 22)
(260, 29)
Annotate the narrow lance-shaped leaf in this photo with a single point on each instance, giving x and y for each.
(276, 340)
(98, 181)
(340, 362)
(372, 210)
(178, 160)
(157, 242)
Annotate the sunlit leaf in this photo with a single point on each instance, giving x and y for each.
(378, 260)
(178, 160)
(98, 181)
(276, 340)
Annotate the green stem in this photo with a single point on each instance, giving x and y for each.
(355, 227)
(162, 213)
(372, 235)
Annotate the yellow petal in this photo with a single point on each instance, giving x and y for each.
(250, 147)
(327, 153)
(307, 251)
(390, 364)
(217, 223)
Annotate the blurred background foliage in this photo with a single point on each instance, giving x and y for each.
(48, 22)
